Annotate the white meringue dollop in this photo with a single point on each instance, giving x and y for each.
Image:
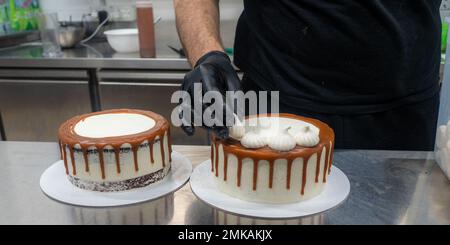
(307, 137)
(282, 141)
(238, 130)
(253, 140)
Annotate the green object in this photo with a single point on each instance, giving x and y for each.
(444, 37)
(229, 50)
(23, 14)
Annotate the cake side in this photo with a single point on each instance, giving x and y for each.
(272, 176)
(118, 162)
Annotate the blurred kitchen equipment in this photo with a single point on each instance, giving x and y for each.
(71, 34)
(145, 23)
(123, 40)
(103, 18)
(49, 30)
(2, 129)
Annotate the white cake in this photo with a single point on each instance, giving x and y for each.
(443, 148)
(115, 150)
(278, 158)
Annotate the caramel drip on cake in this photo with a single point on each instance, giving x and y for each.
(234, 147)
(216, 146)
(68, 137)
(72, 159)
(255, 173)
(331, 158)
(163, 154)
(212, 157)
(135, 149)
(239, 172)
(150, 147)
(325, 168)
(65, 159)
(289, 170)
(117, 155)
(169, 140)
(86, 159)
(60, 150)
(225, 167)
(304, 172)
(102, 161)
(271, 169)
(319, 156)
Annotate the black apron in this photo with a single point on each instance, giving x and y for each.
(370, 68)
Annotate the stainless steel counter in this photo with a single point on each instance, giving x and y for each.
(387, 188)
(100, 55)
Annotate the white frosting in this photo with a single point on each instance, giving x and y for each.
(271, 132)
(127, 167)
(278, 193)
(238, 130)
(253, 140)
(282, 141)
(307, 137)
(113, 125)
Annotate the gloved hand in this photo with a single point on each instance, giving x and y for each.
(214, 72)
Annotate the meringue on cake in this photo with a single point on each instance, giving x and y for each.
(115, 150)
(274, 158)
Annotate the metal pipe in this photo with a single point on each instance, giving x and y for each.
(2, 129)
(94, 90)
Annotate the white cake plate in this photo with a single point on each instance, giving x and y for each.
(205, 188)
(54, 183)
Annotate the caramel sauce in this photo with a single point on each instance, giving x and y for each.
(319, 156)
(271, 169)
(327, 156)
(255, 173)
(304, 172)
(86, 160)
(117, 155)
(69, 138)
(239, 172)
(289, 170)
(331, 160)
(216, 146)
(150, 146)
(65, 159)
(135, 149)
(163, 154)
(225, 167)
(72, 159)
(232, 146)
(212, 157)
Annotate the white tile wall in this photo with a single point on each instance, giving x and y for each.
(230, 9)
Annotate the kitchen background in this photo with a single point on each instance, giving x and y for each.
(34, 101)
(37, 94)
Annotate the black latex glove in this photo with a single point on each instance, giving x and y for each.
(216, 73)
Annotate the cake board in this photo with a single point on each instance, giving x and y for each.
(204, 186)
(55, 184)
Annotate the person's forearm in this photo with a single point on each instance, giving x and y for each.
(198, 25)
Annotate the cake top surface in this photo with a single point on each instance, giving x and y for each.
(113, 125)
(279, 133)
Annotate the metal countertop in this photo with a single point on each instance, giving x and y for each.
(387, 188)
(100, 54)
